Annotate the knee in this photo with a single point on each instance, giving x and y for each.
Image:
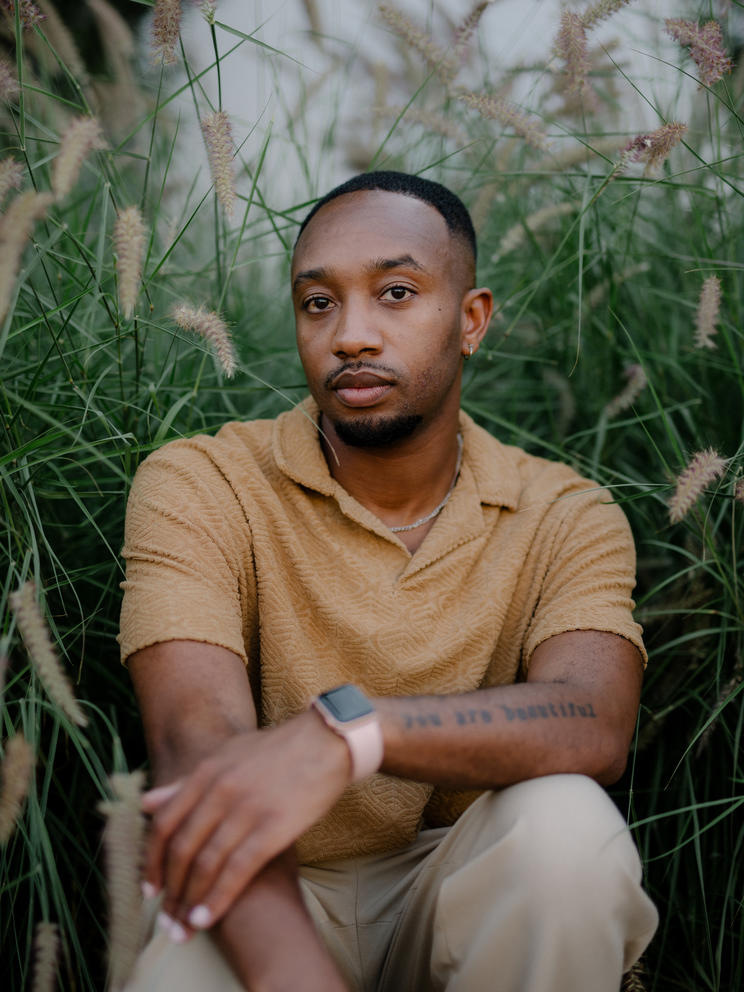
(569, 838)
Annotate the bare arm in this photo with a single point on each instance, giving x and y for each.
(195, 698)
(250, 799)
(575, 713)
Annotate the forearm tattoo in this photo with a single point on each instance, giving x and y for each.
(465, 716)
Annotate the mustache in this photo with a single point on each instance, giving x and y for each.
(383, 370)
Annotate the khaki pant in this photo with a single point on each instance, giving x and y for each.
(535, 889)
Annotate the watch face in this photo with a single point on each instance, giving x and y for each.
(347, 703)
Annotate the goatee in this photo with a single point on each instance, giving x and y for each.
(374, 432)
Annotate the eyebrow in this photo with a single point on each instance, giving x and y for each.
(378, 265)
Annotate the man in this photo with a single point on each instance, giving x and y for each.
(440, 824)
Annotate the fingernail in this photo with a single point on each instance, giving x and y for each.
(148, 890)
(200, 917)
(161, 794)
(172, 928)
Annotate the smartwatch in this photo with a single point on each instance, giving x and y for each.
(348, 712)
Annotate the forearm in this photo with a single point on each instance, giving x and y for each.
(269, 939)
(495, 737)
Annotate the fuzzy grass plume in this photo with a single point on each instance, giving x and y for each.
(507, 114)
(652, 148)
(705, 42)
(600, 11)
(218, 139)
(444, 65)
(636, 383)
(46, 953)
(129, 244)
(17, 768)
(166, 24)
(28, 13)
(572, 47)
(707, 312)
(212, 328)
(123, 842)
(11, 177)
(467, 28)
(16, 225)
(82, 136)
(516, 236)
(35, 636)
(704, 467)
(9, 87)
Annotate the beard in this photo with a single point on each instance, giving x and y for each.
(376, 432)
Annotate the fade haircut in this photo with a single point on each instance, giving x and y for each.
(443, 200)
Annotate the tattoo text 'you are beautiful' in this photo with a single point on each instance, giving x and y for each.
(539, 711)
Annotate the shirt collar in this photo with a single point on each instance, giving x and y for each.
(490, 465)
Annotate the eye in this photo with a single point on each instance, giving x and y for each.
(317, 304)
(398, 293)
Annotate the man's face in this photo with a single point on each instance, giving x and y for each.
(377, 286)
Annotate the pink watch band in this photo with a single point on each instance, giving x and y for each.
(365, 743)
(363, 735)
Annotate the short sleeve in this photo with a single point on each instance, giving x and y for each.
(187, 547)
(590, 573)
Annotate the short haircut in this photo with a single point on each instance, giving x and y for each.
(449, 205)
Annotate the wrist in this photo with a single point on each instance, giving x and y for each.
(351, 716)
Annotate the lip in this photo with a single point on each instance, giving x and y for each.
(359, 380)
(360, 388)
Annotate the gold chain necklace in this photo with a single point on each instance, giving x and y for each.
(437, 509)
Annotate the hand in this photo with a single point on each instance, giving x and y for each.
(215, 829)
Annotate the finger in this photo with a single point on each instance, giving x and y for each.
(174, 931)
(238, 871)
(211, 858)
(166, 820)
(206, 837)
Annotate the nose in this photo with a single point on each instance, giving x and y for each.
(357, 332)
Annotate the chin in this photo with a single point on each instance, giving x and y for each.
(376, 432)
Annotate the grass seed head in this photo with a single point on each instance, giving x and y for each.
(507, 114)
(35, 636)
(16, 225)
(467, 28)
(46, 952)
(703, 468)
(212, 328)
(9, 87)
(28, 13)
(739, 491)
(129, 244)
(572, 48)
(218, 139)
(17, 768)
(652, 148)
(11, 177)
(705, 42)
(166, 24)
(636, 383)
(444, 65)
(707, 312)
(124, 841)
(600, 11)
(82, 136)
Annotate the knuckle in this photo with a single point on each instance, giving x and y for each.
(206, 862)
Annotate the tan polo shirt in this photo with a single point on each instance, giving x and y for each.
(245, 540)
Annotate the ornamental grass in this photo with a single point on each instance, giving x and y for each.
(147, 209)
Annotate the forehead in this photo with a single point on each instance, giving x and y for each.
(356, 227)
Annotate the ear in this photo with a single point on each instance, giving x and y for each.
(476, 310)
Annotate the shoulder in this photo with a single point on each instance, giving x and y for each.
(510, 476)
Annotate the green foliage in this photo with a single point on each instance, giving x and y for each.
(609, 283)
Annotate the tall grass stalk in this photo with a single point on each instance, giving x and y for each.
(614, 252)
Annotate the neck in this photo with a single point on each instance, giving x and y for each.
(401, 482)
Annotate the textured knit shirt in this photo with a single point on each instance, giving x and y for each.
(245, 540)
